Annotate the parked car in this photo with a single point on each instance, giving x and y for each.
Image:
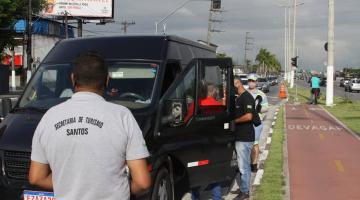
(160, 79)
(354, 85)
(344, 82)
(323, 81)
(263, 85)
(273, 80)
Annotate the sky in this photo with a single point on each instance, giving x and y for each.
(264, 19)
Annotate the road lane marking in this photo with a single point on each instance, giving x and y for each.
(339, 166)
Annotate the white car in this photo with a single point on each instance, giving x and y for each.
(354, 85)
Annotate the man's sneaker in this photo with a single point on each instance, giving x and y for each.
(242, 196)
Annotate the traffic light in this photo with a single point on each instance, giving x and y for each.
(216, 4)
(294, 61)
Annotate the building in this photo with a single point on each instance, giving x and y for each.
(45, 34)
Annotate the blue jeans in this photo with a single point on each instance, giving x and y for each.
(215, 190)
(243, 151)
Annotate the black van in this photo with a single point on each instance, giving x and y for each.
(162, 80)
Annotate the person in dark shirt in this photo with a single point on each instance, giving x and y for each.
(245, 136)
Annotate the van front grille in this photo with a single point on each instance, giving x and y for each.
(17, 164)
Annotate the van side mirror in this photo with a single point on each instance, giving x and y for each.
(6, 106)
(174, 112)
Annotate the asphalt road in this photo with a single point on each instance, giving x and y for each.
(338, 91)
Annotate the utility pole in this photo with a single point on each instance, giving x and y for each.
(289, 47)
(285, 46)
(246, 49)
(126, 24)
(293, 46)
(29, 40)
(80, 27)
(330, 66)
(212, 20)
(66, 25)
(13, 81)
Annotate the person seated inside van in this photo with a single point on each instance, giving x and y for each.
(210, 103)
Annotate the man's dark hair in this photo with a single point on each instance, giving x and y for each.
(90, 70)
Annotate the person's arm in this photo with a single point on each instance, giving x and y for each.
(40, 172)
(264, 104)
(244, 118)
(40, 175)
(140, 178)
(136, 152)
(248, 106)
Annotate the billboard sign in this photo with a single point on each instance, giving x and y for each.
(80, 8)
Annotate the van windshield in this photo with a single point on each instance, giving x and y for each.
(130, 85)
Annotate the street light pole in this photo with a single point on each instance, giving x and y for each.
(172, 13)
(289, 43)
(285, 46)
(293, 47)
(330, 66)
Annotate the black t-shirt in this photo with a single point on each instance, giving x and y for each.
(245, 103)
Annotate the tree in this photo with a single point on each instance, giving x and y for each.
(221, 55)
(10, 11)
(267, 62)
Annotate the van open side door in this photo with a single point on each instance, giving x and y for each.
(196, 121)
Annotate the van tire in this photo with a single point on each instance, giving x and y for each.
(163, 188)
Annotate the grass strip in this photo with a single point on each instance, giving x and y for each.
(272, 183)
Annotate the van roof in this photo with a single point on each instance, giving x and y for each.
(140, 47)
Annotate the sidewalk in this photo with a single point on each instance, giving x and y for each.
(323, 157)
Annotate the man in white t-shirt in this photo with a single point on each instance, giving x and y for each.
(81, 147)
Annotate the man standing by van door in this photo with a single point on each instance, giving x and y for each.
(261, 105)
(81, 147)
(245, 136)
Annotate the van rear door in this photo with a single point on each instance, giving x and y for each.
(196, 121)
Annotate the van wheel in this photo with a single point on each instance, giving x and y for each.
(163, 189)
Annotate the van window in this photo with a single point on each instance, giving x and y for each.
(172, 70)
(130, 85)
(212, 95)
(185, 94)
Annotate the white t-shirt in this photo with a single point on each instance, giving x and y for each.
(86, 141)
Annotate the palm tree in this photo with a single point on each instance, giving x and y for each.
(267, 62)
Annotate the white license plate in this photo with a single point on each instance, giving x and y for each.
(38, 195)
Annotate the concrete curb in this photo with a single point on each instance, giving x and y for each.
(286, 162)
(342, 124)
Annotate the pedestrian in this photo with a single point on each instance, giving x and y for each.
(261, 107)
(209, 100)
(81, 147)
(315, 89)
(245, 136)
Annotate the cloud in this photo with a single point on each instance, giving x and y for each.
(264, 19)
